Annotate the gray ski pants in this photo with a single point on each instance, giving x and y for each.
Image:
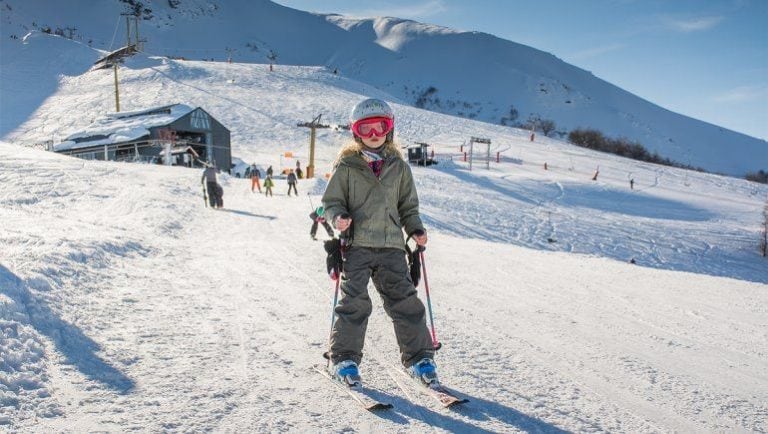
(389, 271)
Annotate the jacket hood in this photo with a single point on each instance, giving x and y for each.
(391, 149)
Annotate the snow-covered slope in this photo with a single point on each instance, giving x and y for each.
(470, 74)
(126, 305)
(262, 108)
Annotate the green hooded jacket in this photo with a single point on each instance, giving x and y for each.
(380, 208)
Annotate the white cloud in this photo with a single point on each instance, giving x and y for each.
(418, 10)
(743, 94)
(693, 24)
(596, 51)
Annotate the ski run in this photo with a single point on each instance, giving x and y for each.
(563, 304)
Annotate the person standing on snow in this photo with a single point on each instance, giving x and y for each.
(215, 192)
(372, 195)
(268, 184)
(292, 183)
(317, 217)
(255, 176)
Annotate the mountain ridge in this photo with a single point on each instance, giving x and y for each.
(470, 74)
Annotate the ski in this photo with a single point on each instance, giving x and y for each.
(361, 394)
(443, 395)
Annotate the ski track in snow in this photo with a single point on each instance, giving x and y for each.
(161, 315)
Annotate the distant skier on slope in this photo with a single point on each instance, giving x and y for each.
(292, 183)
(255, 177)
(383, 204)
(268, 184)
(215, 192)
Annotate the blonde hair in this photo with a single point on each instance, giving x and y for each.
(390, 148)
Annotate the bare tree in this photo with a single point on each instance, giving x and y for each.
(547, 126)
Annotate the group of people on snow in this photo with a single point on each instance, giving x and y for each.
(269, 183)
(371, 243)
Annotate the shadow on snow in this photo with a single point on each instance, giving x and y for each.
(476, 409)
(78, 349)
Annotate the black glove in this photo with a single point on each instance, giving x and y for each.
(333, 260)
(414, 263)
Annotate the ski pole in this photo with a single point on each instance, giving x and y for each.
(437, 345)
(333, 316)
(342, 248)
(310, 201)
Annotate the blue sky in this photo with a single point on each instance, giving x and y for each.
(707, 59)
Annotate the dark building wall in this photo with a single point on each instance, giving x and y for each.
(223, 148)
(199, 121)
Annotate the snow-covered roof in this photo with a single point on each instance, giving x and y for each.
(123, 127)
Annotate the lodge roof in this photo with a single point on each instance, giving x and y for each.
(124, 127)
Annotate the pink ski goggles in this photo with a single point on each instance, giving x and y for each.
(369, 127)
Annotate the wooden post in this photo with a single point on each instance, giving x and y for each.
(311, 166)
(471, 153)
(167, 153)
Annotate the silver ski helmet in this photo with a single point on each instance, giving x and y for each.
(371, 108)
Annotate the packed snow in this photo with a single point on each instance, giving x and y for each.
(563, 303)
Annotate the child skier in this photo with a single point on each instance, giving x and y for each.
(268, 184)
(318, 216)
(373, 187)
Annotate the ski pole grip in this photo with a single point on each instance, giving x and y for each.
(418, 232)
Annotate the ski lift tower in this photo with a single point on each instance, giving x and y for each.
(472, 142)
(313, 126)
